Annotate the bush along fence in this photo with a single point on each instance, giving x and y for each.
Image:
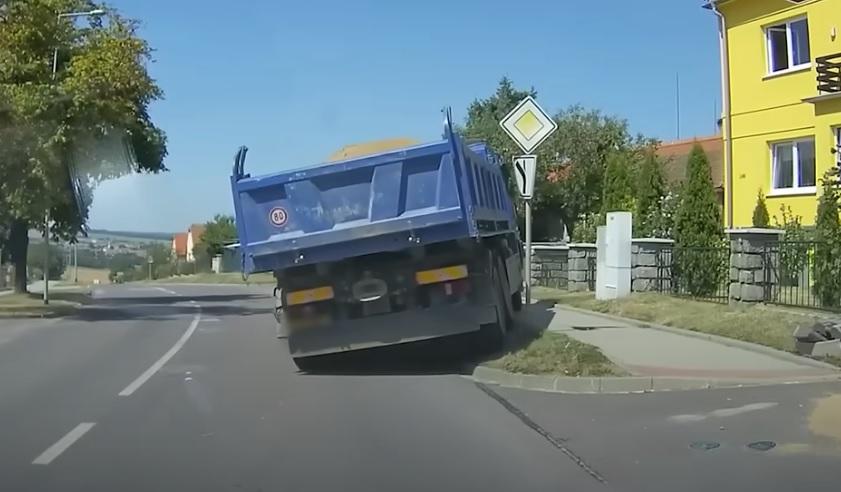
(753, 266)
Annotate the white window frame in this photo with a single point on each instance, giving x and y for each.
(796, 189)
(769, 53)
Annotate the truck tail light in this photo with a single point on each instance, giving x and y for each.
(439, 275)
(309, 296)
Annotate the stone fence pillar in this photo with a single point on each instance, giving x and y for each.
(582, 267)
(549, 265)
(748, 279)
(650, 264)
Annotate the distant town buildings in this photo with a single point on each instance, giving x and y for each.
(183, 243)
(179, 246)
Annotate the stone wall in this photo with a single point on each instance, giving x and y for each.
(650, 261)
(549, 265)
(748, 280)
(581, 266)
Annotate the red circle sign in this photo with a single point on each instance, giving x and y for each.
(278, 216)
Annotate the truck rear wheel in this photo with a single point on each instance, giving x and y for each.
(517, 301)
(493, 334)
(309, 364)
(508, 301)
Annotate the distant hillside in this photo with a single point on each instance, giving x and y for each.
(152, 236)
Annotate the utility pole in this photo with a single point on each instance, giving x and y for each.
(677, 103)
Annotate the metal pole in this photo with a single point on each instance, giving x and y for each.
(528, 251)
(75, 263)
(47, 257)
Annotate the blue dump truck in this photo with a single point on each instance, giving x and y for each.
(404, 245)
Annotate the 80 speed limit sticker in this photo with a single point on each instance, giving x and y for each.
(278, 216)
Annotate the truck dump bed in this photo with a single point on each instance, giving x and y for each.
(391, 201)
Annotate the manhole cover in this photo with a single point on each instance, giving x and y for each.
(704, 445)
(762, 445)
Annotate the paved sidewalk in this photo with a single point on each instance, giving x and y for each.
(656, 353)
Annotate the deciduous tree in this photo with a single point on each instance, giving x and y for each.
(52, 127)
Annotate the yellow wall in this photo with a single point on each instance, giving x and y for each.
(765, 109)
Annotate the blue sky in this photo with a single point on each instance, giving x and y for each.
(296, 80)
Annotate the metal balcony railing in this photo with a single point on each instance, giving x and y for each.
(829, 73)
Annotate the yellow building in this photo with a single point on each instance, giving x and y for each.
(782, 102)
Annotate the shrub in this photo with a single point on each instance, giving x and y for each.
(794, 249)
(618, 185)
(651, 192)
(660, 221)
(698, 228)
(828, 243)
(585, 229)
(35, 261)
(760, 212)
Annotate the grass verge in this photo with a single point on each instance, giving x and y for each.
(32, 304)
(772, 328)
(219, 278)
(554, 353)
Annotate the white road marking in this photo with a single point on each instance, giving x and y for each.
(167, 291)
(137, 383)
(723, 412)
(62, 444)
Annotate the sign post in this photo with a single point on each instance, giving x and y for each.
(529, 126)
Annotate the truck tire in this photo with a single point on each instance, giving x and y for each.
(517, 301)
(509, 300)
(309, 364)
(493, 334)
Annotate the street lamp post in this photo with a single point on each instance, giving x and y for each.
(66, 15)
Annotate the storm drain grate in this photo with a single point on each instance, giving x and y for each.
(704, 445)
(762, 445)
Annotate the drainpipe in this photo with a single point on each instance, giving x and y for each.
(725, 102)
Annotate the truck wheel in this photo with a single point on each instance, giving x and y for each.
(493, 334)
(517, 301)
(503, 286)
(308, 364)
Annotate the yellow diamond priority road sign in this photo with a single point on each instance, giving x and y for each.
(528, 125)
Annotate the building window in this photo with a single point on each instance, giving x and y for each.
(788, 45)
(838, 146)
(793, 166)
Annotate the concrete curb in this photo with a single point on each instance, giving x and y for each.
(730, 342)
(624, 385)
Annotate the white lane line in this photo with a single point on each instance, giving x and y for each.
(62, 444)
(167, 291)
(137, 383)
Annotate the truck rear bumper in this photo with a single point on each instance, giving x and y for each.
(390, 329)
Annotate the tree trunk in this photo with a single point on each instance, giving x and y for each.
(18, 247)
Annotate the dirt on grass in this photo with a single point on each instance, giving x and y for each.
(554, 353)
(772, 328)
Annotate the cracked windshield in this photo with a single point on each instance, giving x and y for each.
(411, 246)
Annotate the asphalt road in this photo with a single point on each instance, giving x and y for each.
(185, 388)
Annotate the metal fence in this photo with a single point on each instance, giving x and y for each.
(789, 275)
(591, 274)
(699, 273)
